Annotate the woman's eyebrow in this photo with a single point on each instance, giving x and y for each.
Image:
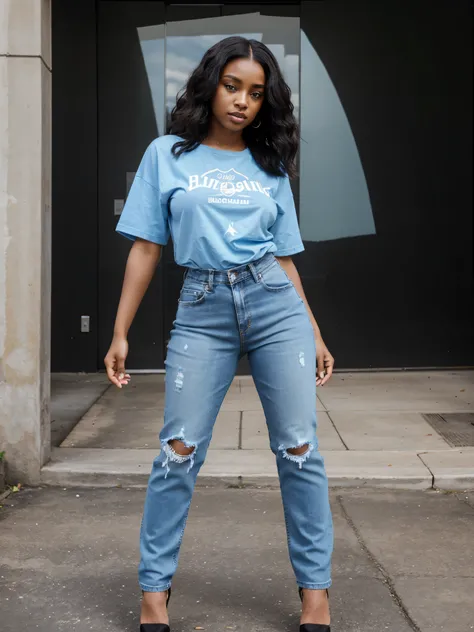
(232, 77)
(255, 85)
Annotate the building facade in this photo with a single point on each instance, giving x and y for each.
(383, 94)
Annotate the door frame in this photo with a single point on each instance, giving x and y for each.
(76, 122)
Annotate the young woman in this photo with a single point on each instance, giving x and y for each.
(219, 184)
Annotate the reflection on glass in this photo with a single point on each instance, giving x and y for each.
(187, 41)
(183, 54)
(334, 199)
(152, 43)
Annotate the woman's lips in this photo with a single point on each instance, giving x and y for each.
(237, 118)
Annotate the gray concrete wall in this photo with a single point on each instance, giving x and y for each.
(25, 235)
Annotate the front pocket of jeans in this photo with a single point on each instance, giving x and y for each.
(190, 295)
(274, 279)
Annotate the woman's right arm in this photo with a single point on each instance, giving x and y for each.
(141, 264)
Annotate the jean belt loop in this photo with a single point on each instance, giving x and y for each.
(254, 272)
(210, 281)
(186, 270)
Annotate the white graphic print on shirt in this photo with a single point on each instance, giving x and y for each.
(231, 230)
(231, 186)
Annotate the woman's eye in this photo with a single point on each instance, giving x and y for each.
(230, 87)
(257, 95)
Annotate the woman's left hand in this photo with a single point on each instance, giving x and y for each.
(324, 361)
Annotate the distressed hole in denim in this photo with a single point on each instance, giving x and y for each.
(178, 450)
(186, 347)
(298, 453)
(301, 358)
(179, 381)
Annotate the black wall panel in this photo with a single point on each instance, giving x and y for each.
(400, 298)
(403, 72)
(74, 181)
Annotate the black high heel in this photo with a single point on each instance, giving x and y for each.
(160, 627)
(309, 627)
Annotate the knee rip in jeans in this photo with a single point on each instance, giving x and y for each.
(178, 450)
(298, 453)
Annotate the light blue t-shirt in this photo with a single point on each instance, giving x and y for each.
(221, 208)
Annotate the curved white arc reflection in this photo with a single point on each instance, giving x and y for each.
(334, 198)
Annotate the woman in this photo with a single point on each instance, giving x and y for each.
(219, 184)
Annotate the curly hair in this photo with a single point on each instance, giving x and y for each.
(274, 143)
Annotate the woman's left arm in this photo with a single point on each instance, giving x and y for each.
(325, 361)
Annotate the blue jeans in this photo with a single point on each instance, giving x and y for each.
(255, 310)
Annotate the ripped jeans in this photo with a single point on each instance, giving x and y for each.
(255, 310)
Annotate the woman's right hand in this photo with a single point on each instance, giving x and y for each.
(115, 362)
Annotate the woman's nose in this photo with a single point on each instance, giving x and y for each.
(241, 101)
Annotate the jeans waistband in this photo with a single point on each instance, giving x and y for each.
(234, 275)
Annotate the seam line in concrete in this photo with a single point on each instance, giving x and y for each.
(432, 576)
(338, 433)
(379, 566)
(322, 404)
(27, 57)
(107, 388)
(464, 500)
(402, 411)
(239, 447)
(429, 470)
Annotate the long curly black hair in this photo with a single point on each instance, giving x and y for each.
(274, 143)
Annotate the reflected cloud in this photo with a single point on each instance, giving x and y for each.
(152, 44)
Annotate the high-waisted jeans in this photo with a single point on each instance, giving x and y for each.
(222, 315)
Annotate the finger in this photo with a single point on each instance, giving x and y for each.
(328, 361)
(112, 378)
(320, 364)
(327, 377)
(110, 368)
(329, 371)
(122, 376)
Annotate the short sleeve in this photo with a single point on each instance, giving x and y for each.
(285, 230)
(145, 214)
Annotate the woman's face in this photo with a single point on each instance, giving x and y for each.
(239, 95)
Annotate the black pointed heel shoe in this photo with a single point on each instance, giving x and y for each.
(312, 627)
(159, 627)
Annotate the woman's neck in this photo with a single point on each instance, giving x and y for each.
(223, 138)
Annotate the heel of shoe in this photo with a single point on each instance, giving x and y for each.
(161, 627)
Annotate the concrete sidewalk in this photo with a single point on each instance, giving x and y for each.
(403, 562)
(372, 431)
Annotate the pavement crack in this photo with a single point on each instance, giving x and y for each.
(387, 580)
(335, 428)
(428, 468)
